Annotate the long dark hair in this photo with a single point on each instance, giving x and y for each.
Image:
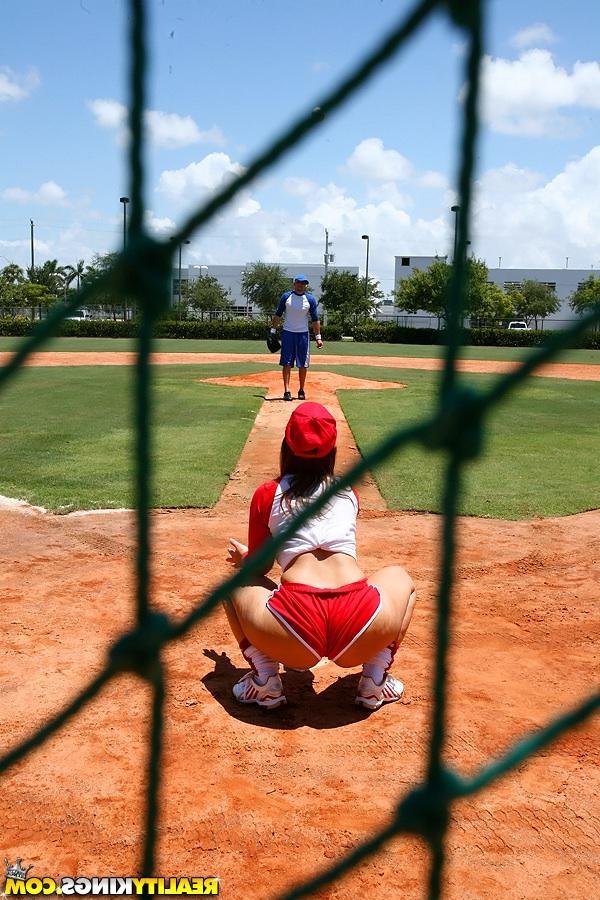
(306, 475)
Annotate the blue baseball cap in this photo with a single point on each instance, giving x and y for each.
(301, 278)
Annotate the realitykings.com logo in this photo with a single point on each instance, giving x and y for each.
(17, 883)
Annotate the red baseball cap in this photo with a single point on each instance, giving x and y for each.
(311, 431)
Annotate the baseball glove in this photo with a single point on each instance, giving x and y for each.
(273, 342)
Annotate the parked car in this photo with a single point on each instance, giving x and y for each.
(79, 315)
(518, 326)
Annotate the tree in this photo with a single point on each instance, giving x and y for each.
(108, 296)
(492, 304)
(533, 300)
(12, 274)
(49, 275)
(10, 277)
(205, 294)
(7, 295)
(587, 295)
(32, 295)
(263, 284)
(74, 272)
(428, 291)
(425, 290)
(347, 302)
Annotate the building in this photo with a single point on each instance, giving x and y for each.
(231, 279)
(563, 281)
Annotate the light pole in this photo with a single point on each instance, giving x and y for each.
(124, 201)
(327, 256)
(365, 237)
(455, 210)
(32, 248)
(179, 291)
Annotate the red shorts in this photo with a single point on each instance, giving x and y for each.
(326, 620)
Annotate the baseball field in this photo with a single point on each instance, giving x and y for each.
(263, 800)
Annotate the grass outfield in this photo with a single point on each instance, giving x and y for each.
(66, 440)
(541, 452)
(335, 348)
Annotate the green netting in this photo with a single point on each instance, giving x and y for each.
(457, 427)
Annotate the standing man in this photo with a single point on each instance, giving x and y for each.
(296, 307)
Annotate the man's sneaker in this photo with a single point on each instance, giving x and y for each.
(301, 395)
(287, 395)
(270, 694)
(372, 695)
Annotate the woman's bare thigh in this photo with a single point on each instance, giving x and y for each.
(397, 592)
(262, 629)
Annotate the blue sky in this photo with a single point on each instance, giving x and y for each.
(226, 75)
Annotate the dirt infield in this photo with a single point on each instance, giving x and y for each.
(264, 799)
(579, 371)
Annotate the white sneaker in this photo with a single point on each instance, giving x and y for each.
(270, 694)
(372, 695)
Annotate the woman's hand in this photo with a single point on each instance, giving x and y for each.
(237, 553)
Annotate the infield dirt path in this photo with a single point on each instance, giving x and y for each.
(264, 799)
(581, 372)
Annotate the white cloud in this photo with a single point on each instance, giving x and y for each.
(382, 166)
(187, 184)
(159, 225)
(435, 180)
(171, 130)
(370, 160)
(520, 215)
(247, 207)
(524, 96)
(17, 87)
(388, 190)
(13, 251)
(108, 113)
(299, 187)
(49, 194)
(164, 129)
(533, 35)
(509, 179)
(532, 223)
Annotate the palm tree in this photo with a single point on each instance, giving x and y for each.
(72, 272)
(49, 275)
(12, 274)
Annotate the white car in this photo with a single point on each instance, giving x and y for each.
(518, 326)
(79, 315)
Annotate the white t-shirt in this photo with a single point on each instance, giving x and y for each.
(296, 309)
(333, 529)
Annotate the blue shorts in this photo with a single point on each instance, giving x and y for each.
(295, 349)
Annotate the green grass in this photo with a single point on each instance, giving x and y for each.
(66, 439)
(541, 453)
(430, 351)
(335, 348)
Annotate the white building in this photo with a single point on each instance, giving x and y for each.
(563, 281)
(231, 279)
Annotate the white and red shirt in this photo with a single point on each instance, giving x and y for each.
(332, 529)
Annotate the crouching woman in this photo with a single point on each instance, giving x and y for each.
(324, 606)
